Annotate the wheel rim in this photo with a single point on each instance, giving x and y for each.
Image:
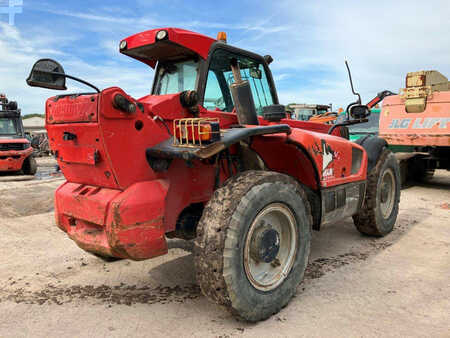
(386, 194)
(270, 247)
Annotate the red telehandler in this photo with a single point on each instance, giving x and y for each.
(209, 154)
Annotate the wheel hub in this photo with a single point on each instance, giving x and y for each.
(270, 247)
(384, 193)
(265, 245)
(387, 193)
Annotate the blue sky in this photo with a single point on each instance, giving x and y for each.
(309, 40)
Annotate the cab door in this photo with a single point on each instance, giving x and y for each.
(216, 92)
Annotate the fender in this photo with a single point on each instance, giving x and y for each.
(166, 149)
(373, 146)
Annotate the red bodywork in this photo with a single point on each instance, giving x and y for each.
(12, 160)
(195, 42)
(113, 203)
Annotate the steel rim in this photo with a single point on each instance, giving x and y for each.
(387, 193)
(266, 276)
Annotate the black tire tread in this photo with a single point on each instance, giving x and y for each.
(212, 232)
(365, 220)
(29, 166)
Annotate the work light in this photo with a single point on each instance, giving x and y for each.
(161, 35)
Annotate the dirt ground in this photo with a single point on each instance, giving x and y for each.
(355, 286)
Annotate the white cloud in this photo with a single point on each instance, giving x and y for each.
(383, 40)
(19, 52)
(281, 77)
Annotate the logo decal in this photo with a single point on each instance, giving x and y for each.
(420, 123)
(328, 156)
(14, 7)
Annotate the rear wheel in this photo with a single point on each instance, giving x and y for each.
(380, 208)
(253, 244)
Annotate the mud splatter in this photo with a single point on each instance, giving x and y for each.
(103, 294)
(321, 266)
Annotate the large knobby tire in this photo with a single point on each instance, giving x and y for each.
(380, 208)
(253, 243)
(29, 166)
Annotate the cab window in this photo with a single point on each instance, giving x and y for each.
(214, 98)
(220, 77)
(175, 77)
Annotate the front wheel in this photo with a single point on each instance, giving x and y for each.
(29, 166)
(253, 244)
(380, 208)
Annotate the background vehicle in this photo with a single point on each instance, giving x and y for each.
(416, 124)
(209, 155)
(15, 149)
(312, 112)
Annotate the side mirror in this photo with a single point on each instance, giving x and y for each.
(256, 73)
(268, 59)
(359, 111)
(47, 73)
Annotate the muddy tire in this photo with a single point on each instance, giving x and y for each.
(380, 208)
(29, 166)
(253, 243)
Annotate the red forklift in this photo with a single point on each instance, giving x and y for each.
(16, 153)
(209, 156)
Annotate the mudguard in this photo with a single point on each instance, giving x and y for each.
(373, 146)
(166, 149)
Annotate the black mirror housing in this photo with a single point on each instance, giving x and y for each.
(268, 59)
(359, 111)
(47, 73)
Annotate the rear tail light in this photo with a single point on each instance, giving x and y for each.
(196, 132)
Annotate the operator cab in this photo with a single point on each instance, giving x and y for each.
(10, 121)
(186, 60)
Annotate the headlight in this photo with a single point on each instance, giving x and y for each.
(161, 35)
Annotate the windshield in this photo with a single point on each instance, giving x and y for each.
(8, 127)
(368, 127)
(220, 77)
(176, 77)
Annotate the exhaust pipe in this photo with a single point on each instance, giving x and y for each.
(242, 97)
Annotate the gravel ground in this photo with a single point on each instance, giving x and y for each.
(355, 286)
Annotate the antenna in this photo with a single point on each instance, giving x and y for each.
(351, 82)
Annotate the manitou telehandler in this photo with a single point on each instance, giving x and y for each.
(16, 153)
(194, 160)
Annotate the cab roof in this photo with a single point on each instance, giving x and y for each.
(178, 44)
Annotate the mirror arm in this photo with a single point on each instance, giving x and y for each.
(351, 82)
(74, 78)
